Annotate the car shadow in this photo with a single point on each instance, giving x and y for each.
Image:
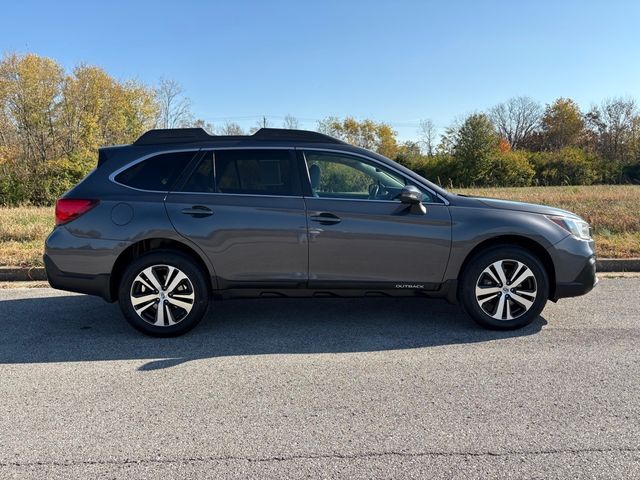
(82, 328)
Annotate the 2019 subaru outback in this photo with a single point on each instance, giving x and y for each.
(179, 215)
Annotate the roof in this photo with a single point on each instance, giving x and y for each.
(198, 135)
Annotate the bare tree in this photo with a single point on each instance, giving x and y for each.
(613, 124)
(291, 122)
(427, 133)
(331, 126)
(200, 123)
(262, 123)
(231, 128)
(516, 119)
(175, 108)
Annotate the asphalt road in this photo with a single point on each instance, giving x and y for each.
(322, 388)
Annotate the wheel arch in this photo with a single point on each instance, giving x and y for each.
(147, 245)
(516, 241)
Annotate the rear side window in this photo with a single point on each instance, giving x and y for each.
(157, 173)
(201, 180)
(257, 172)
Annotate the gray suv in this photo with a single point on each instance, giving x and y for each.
(179, 216)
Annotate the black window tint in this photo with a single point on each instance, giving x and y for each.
(156, 173)
(258, 172)
(201, 180)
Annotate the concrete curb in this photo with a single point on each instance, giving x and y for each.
(25, 274)
(618, 264)
(22, 274)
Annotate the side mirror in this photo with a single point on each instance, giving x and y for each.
(410, 195)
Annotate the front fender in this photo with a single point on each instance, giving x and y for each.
(472, 226)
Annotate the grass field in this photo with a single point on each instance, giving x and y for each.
(22, 234)
(613, 211)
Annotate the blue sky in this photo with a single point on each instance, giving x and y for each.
(394, 61)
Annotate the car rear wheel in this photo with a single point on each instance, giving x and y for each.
(163, 294)
(504, 287)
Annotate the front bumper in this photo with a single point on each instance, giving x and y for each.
(583, 283)
(575, 267)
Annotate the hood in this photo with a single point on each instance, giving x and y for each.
(524, 207)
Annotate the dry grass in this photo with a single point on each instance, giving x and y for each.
(614, 212)
(22, 234)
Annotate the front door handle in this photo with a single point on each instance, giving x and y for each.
(326, 218)
(198, 211)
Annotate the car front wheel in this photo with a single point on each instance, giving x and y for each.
(163, 294)
(504, 287)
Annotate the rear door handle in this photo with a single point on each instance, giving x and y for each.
(198, 211)
(326, 218)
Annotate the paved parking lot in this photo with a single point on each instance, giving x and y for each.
(367, 388)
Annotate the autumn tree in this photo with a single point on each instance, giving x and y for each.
(98, 110)
(562, 124)
(31, 89)
(379, 137)
(52, 124)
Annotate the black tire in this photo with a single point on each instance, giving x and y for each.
(522, 313)
(176, 320)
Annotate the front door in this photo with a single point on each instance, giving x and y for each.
(361, 236)
(244, 209)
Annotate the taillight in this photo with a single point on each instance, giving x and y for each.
(68, 209)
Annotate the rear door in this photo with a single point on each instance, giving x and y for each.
(361, 236)
(245, 209)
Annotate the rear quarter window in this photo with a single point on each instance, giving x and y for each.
(158, 173)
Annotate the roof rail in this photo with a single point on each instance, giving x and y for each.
(173, 135)
(191, 135)
(284, 134)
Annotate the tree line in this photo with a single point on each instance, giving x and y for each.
(52, 122)
(515, 143)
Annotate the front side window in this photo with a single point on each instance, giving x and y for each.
(256, 172)
(336, 175)
(157, 173)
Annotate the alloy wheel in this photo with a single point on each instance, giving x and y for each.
(162, 295)
(506, 289)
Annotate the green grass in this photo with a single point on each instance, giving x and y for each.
(612, 210)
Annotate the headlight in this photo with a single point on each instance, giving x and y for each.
(577, 228)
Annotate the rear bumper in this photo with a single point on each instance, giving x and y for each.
(80, 283)
(80, 264)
